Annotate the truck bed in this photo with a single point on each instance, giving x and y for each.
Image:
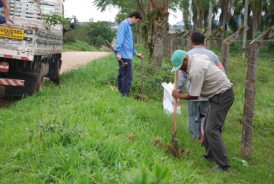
(31, 36)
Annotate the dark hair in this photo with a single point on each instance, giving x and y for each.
(135, 14)
(197, 38)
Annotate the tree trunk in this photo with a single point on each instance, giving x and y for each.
(209, 22)
(245, 23)
(225, 7)
(158, 39)
(160, 27)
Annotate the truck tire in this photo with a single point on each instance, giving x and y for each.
(40, 79)
(57, 74)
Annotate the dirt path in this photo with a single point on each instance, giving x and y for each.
(70, 60)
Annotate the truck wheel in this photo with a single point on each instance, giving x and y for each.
(40, 79)
(57, 75)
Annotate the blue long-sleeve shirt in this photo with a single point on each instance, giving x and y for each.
(125, 40)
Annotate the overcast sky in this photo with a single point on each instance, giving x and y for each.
(84, 10)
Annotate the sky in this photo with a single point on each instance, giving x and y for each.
(84, 10)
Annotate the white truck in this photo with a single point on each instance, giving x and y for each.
(31, 50)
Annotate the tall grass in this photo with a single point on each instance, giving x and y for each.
(84, 132)
(79, 46)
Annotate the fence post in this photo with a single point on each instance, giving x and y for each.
(213, 35)
(226, 44)
(184, 41)
(169, 45)
(179, 40)
(250, 90)
(187, 36)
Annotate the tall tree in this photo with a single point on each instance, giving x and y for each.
(256, 7)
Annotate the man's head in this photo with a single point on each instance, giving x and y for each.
(197, 38)
(135, 17)
(179, 60)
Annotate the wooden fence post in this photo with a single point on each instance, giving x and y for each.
(226, 44)
(181, 40)
(184, 40)
(189, 47)
(213, 35)
(250, 91)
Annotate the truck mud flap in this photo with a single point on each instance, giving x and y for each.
(28, 90)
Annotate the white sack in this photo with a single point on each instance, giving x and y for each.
(168, 98)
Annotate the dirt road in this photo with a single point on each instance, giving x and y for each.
(70, 60)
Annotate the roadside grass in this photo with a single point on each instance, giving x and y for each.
(82, 131)
(79, 46)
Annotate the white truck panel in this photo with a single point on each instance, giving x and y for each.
(39, 38)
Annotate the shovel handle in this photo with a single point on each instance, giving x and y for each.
(175, 102)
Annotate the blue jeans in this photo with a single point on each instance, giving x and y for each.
(3, 20)
(125, 77)
(196, 116)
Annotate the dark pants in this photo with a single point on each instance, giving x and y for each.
(214, 144)
(3, 20)
(196, 117)
(125, 77)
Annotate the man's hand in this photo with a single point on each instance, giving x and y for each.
(141, 56)
(119, 57)
(10, 24)
(175, 93)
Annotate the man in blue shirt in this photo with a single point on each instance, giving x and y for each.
(125, 50)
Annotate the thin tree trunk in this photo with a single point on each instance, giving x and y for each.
(245, 23)
(209, 22)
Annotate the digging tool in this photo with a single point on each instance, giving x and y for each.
(174, 140)
(123, 63)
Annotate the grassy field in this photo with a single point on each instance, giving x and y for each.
(83, 131)
(79, 46)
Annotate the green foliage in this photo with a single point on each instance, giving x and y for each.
(121, 17)
(98, 32)
(56, 132)
(141, 176)
(53, 19)
(79, 46)
(270, 45)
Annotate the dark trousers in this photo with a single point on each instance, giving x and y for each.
(3, 20)
(125, 77)
(214, 144)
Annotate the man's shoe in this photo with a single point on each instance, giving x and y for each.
(217, 167)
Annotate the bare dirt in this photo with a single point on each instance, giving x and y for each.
(70, 60)
(73, 60)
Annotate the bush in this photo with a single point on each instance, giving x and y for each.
(270, 45)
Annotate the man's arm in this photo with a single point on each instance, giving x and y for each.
(141, 56)
(120, 40)
(7, 13)
(177, 94)
(182, 77)
(218, 63)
